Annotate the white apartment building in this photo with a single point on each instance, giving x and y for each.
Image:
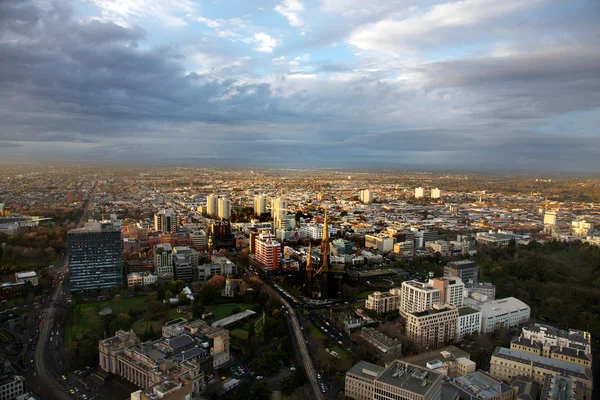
(384, 302)
(366, 196)
(451, 290)
(417, 297)
(166, 221)
(469, 322)
(504, 313)
(419, 193)
(212, 202)
(582, 228)
(434, 327)
(163, 259)
(224, 208)
(315, 232)
(141, 279)
(260, 204)
(436, 193)
(550, 218)
(11, 387)
(380, 242)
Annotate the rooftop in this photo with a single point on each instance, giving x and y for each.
(366, 370)
(466, 311)
(409, 377)
(502, 306)
(479, 385)
(448, 353)
(561, 367)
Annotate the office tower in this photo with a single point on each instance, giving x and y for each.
(95, 256)
(366, 196)
(433, 327)
(212, 204)
(163, 259)
(70, 196)
(185, 261)
(260, 204)
(451, 290)
(550, 218)
(267, 251)
(418, 296)
(466, 270)
(436, 193)
(419, 193)
(199, 240)
(221, 236)
(278, 211)
(166, 221)
(224, 208)
(80, 196)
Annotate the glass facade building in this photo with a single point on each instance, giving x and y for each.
(95, 256)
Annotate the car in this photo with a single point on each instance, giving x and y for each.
(223, 377)
(339, 342)
(292, 368)
(64, 378)
(318, 376)
(71, 391)
(259, 377)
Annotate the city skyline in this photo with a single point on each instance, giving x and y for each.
(459, 84)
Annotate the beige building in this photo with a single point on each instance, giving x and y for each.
(451, 290)
(399, 380)
(434, 327)
(561, 353)
(169, 389)
(384, 302)
(508, 363)
(448, 361)
(405, 249)
(417, 297)
(439, 246)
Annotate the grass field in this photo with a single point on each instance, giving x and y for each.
(343, 363)
(221, 311)
(240, 333)
(365, 294)
(5, 337)
(85, 318)
(315, 332)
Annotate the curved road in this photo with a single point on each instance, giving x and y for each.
(53, 387)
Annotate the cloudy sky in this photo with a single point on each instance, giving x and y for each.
(508, 84)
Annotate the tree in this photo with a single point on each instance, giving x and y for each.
(216, 282)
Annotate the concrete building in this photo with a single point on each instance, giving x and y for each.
(212, 204)
(166, 221)
(260, 205)
(141, 279)
(384, 302)
(439, 246)
(405, 249)
(506, 364)
(434, 327)
(505, 313)
(451, 290)
(163, 259)
(465, 270)
(448, 361)
(219, 265)
(556, 387)
(485, 288)
(365, 381)
(419, 193)
(382, 243)
(384, 347)
(366, 196)
(185, 262)
(95, 254)
(169, 389)
(199, 240)
(436, 193)
(566, 354)
(582, 228)
(224, 208)
(27, 276)
(417, 297)
(469, 322)
(11, 386)
(267, 252)
(480, 385)
(550, 218)
(550, 336)
(315, 232)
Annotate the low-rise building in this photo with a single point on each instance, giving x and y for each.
(219, 265)
(141, 279)
(505, 313)
(485, 288)
(550, 336)
(405, 249)
(385, 348)
(27, 276)
(480, 385)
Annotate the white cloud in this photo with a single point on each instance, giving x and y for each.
(166, 11)
(291, 9)
(401, 35)
(265, 43)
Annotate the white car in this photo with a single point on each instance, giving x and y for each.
(259, 377)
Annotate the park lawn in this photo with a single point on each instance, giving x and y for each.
(140, 326)
(221, 311)
(343, 363)
(5, 337)
(365, 294)
(315, 332)
(86, 318)
(240, 333)
(173, 314)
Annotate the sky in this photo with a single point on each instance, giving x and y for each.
(471, 84)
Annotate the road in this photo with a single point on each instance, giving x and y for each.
(307, 361)
(48, 375)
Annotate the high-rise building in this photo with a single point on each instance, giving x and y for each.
(278, 211)
(366, 196)
(212, 204)
(166, 221)
(185, 261)
(267, 251)
(436, 193)
(163, 259)
(224, 208)
(417, 297)
(466, 270)
(433, 327)
(550, 218)
(70, 196)
(451, 290)
(260, 204)
(582, 228)
(384, 302)
(469, 322)
(221, 236)
(80, 196)
(199, 240)
(419, 193)
(95, 256)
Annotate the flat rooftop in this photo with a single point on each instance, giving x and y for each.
(366, 370)
(409, 377)
(479, 385)
(448, 353)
